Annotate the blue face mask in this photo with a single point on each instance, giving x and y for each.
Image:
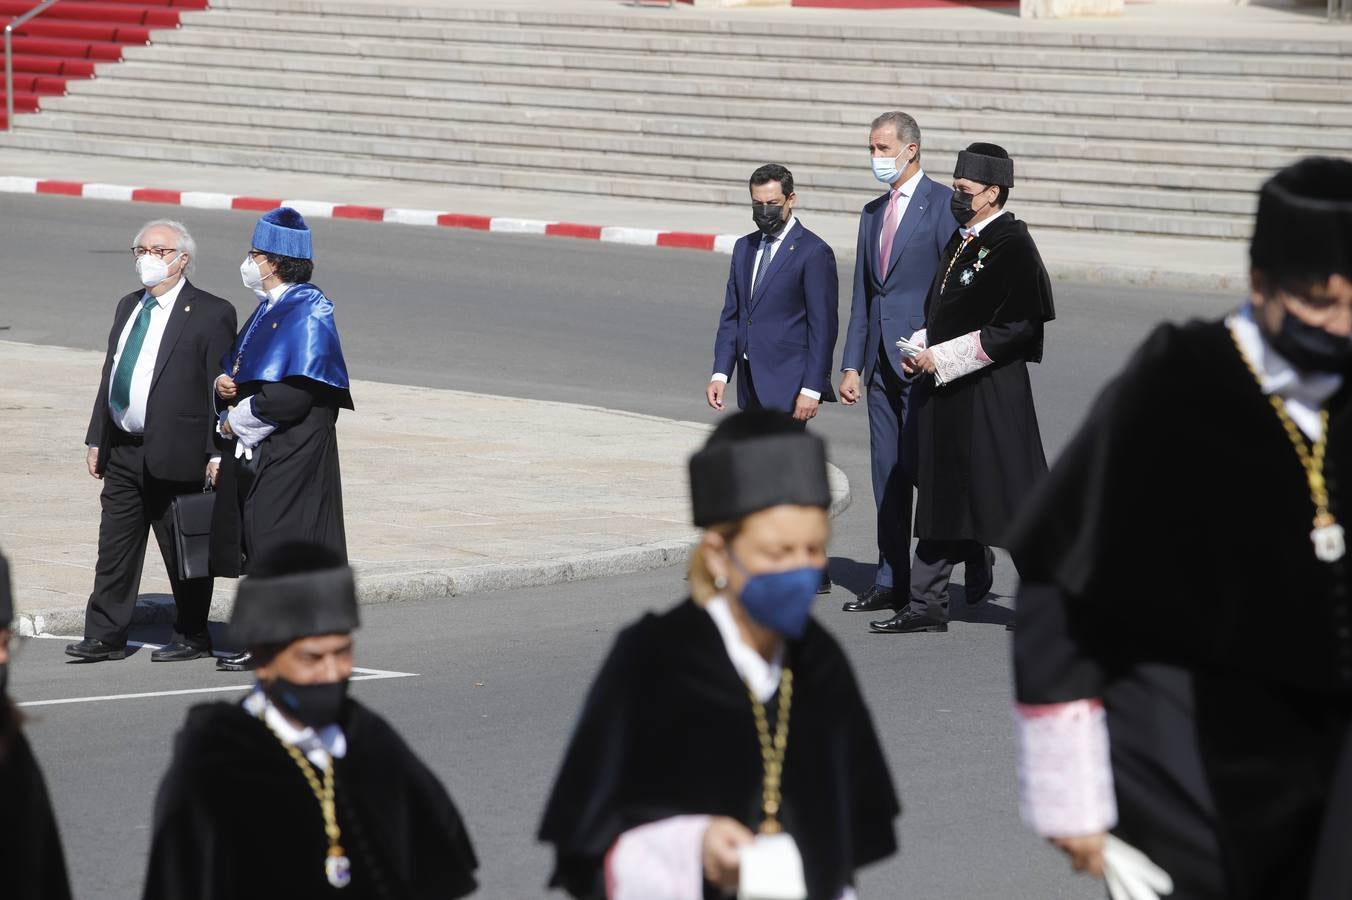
(781, 601)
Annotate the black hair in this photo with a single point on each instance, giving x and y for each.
(773, 172)
(290, 269)
(1002, 196)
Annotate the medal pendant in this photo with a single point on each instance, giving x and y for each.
(339, 870)
(1329, 545)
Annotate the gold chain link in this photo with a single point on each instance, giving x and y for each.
(772, 751)
(965, 241)
(324, 791)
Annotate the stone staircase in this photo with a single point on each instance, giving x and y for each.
(1128, 133)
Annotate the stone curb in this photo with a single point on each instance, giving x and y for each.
(1132, 276)
(439, 585)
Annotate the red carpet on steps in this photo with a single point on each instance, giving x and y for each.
(69, 38)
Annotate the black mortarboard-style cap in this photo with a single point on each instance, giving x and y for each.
(301, 590)
(753, 461)
(6, 594)
(1304, 226)
(985, 164)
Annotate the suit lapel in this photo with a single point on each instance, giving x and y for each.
(178, 317)
(915, 210)
(777, 262)
(746, 264)
(875, 238)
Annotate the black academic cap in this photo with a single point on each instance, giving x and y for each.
(300, 590)
(6, 594)
(753, 461)
(1304, 228)
(985, 164)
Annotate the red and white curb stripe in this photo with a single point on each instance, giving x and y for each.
(644, 237)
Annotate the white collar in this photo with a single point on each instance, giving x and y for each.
(761, 676)
(318, 746)
(907, 188)
(166, 300)
(1304, 393)
(979, 227)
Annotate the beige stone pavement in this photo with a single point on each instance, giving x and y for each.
(445, 492)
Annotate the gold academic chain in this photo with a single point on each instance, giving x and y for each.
(1311, 462)
(965, 241)
(336, 864)
(772, 751)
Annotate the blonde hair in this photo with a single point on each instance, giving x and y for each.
(702, 587)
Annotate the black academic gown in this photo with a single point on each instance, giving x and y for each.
(236, 818)
(667, 730)
(980, 450)
(1168, 569)
(292, 488)
(32, 866)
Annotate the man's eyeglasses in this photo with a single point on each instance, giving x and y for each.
(161, 252)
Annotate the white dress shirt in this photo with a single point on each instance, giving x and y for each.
(904, 191)
(1303, 394)
(755, 265)
(760, 674)
(979, 227)
(321, 746)
(133, 418)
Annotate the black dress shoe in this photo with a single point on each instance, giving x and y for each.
(872, 600)
(825, 586)
(240, 662)
(95, 650)
(908, 621)
(978, 588)
(178, 651)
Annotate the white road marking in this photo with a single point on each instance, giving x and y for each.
(359, 673)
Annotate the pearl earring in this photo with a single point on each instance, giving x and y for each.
(720, 582)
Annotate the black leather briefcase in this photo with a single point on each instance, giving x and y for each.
(192, 533)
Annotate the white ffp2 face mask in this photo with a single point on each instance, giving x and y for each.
(151, 269)
(249, 274)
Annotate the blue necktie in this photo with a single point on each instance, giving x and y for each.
(766, 243)
(120, 398)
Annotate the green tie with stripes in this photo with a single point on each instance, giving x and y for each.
(120, 398)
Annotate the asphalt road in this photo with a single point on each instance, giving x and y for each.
(500, 676)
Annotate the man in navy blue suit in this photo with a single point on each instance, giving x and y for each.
(778, 326)
(779, 322)
(901, 237)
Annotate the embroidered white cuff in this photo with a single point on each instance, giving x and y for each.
(248, 429)
(1065, 772)
(663, 860)
(958, 357)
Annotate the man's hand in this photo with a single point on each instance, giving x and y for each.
(722, 863)
(714, 393)
(213, 473)
(849, 388)
(225, 387)
(92, 460)
(804, 408)
(1085, 852)
(914, 365)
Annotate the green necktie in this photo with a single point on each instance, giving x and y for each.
(120, 398)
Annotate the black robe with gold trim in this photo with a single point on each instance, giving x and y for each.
(1168, 569)
(236, 818)
(668, 730)
(980, 450)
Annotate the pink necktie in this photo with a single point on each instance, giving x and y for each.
(889, 231)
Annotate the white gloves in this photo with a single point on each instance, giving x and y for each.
(1131, 875)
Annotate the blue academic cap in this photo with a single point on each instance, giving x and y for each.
(283, 232)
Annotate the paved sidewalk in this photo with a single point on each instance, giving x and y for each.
(1144, 261)
(446, 492)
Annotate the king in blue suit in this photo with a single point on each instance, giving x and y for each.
(901, 238)
(778, 328)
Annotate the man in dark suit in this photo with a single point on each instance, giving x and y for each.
(901, 237)
(778, 326)
(152, 437)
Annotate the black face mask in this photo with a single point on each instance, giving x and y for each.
(768, 218)
(315, 705)
(961, 205)
(1310, 348)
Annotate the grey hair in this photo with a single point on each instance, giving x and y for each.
(185, 243)
(908, 130)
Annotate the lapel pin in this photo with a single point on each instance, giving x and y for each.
(791, 246)
(187, 309)
(274, 324)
